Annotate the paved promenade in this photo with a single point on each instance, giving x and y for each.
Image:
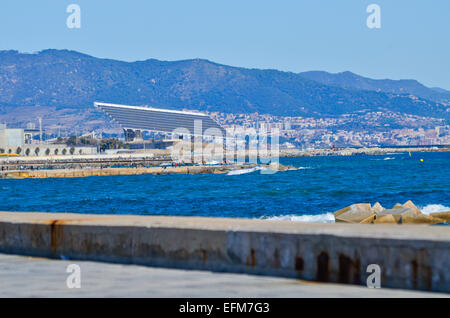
(22, 276)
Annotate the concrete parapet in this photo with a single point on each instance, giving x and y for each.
(413, 257)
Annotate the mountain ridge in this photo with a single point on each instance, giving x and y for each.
(349, 80)
(74, 80)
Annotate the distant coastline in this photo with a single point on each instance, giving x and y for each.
(360, 151)
(146, 163)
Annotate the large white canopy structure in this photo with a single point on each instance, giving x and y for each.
(140, 118)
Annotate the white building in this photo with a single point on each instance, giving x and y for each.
(20, 142)
(11, 137)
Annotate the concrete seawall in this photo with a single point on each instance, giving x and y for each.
(413, 257)
(77, 173)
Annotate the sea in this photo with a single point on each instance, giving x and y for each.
(310, 193)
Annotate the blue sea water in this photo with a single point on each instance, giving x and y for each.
(321, 186)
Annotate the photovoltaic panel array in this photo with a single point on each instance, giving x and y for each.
(160, 120)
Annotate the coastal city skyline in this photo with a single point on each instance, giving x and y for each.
(397, 113)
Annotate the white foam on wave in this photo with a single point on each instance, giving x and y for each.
(329, 217)
(250, 170)
(309, 218)
(387, 158)
(242, 171)
(433, 208)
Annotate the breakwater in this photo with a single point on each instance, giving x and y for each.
(76, 173)
(413, 257)
(81, 162)
(407, 213)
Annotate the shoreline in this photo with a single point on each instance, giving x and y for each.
(376, 151)
(162, 164)
(169, 170)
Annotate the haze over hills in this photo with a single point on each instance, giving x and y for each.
(349, 80)
(66, 83)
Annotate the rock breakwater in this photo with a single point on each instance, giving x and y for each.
(407, 213)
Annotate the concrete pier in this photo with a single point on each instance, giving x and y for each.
(414, 257)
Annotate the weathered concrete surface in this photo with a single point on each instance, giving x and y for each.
(413, 257)
(22, 276)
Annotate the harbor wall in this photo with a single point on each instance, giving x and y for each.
(412, 257)
(78, 173)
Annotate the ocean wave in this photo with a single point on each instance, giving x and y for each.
(329, 217)
(250, 170)
(433, 208)
(308, 218)
(387, 158)
(241, 171)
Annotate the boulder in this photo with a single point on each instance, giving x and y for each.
(341, 211)
(377, 208)
(421, 219)
(385, 219)
(220, 171)
(407, 213)
(275, 166)
(398, 218)
(412, 206)
(369, 220)
(442, 215)
(354, 213)
(399, 212)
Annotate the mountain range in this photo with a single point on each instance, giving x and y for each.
(349, 80)
(63, 80)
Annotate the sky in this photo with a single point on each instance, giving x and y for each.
(289, 35)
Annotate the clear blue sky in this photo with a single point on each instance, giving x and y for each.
(290, 35)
